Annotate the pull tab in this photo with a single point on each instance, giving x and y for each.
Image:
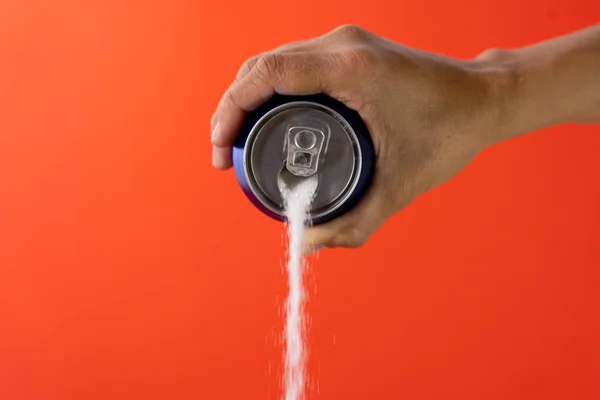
(305, 148)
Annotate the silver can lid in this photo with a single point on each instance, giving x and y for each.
(299, 139)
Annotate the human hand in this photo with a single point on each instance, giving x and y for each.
(428, 115)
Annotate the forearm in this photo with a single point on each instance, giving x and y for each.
(549, 83)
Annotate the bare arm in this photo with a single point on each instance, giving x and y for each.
(553, 82)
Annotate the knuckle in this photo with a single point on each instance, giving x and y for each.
(493, 54)
(248, 65)
(350, 31)
(231, 97)
(289, 46)
(269, 65)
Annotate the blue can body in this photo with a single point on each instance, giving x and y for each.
(350, 116)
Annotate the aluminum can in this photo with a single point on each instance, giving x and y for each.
(290, 138)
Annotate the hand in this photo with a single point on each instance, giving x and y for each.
(428, 115)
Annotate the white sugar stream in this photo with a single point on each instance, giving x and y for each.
(298, 200)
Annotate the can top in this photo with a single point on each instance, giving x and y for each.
(299, 139)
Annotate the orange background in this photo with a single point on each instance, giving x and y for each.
(130, 269)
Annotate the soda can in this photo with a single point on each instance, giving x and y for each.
(290, 138)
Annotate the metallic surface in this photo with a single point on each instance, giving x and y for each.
(305, 143)
(287, 126)
(264, 158)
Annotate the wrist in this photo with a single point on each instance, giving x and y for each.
(550, 83)
(503, 78)
(520, 94)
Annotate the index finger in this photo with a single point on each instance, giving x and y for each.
(294, 73)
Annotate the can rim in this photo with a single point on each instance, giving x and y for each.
(338, 201)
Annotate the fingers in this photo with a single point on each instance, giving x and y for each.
(297, 73)
(264, 75)
(350, 230)
(294, 47)
(251, 63)
(297, 68)
(222, 157)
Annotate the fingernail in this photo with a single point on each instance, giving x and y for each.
(215, 133)
(215, 158)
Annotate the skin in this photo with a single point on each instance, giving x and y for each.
(429, 115)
